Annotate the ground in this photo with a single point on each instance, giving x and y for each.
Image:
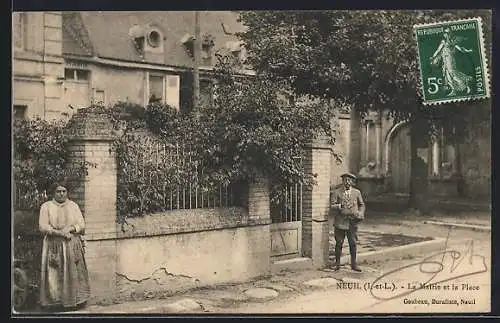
(333, 299)
(387, 284)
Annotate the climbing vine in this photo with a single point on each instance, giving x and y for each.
(253, 127)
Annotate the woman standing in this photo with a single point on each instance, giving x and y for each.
(64, 276)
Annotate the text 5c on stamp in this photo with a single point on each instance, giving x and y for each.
(452, 61)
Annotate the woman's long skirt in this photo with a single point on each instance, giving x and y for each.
(64, 276)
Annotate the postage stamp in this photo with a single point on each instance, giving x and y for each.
(453, 65)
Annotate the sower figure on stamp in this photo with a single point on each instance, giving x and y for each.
(349, 208)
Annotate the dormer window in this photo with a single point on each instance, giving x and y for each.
(207, 44)
(237, 49)
(154, 38)
(136, 32)
(147, 38)
(188, 42)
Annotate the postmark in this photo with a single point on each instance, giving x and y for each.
(452, 61)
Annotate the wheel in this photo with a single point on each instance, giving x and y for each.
(20, 288)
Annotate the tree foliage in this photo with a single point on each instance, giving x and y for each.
(257, 124)
(152, 165)
(365, 58)
(254, 126)
(41, 158)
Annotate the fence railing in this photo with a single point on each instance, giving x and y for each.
(171, 175)
(26, 199)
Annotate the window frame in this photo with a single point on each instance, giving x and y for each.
(369, 132)
(163, 77)
(75, 75)
(94, 95)
(24, 108)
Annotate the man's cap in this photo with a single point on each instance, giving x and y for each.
(351, 175)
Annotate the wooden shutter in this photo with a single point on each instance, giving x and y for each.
(173, 91)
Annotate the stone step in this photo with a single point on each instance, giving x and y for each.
(294, 264)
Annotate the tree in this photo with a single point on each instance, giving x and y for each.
(367, 59)
(257, 125)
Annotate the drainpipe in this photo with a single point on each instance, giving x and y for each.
(196, 65)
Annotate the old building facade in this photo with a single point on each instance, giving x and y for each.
(64, 61)
(38, 64)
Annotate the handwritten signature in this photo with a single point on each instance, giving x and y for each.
(434, 267)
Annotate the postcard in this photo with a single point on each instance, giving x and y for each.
(251, 162)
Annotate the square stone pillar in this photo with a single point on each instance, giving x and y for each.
(259, 216)
(258, 199)
(91, 138)
(316, 204)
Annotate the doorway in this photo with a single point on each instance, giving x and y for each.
(400, 160)
(286, 224)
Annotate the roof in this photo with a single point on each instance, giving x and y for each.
(106, 34)
(75, 39)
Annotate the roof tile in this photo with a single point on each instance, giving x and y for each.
(108, 32)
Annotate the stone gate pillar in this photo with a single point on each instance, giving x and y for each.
(258, 199)
(90, 140)
(259, 214)
(316, 203)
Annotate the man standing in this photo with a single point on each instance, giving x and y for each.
(350, 210)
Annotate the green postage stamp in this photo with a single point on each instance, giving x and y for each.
(452, 60)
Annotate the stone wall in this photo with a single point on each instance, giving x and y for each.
(160, 253)
(209, 247)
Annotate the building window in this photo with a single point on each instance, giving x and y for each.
(164, 89)
(154, 39)
(186, 92)
(19, 30)
(76, 74)
(444, 156)
(20, 112)
(207, 45)
(156, 88)
(370, 142)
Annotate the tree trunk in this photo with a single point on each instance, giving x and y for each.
(419, 192)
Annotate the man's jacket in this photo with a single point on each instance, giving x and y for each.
(352, 207)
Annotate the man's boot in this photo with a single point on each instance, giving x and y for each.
(354, 265)
(338, 253)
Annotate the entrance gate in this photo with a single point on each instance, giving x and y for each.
(286, 225)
